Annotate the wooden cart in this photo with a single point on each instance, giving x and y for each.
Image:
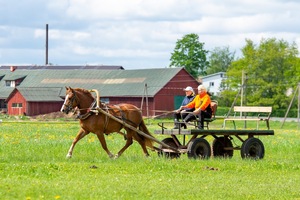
(222, 146)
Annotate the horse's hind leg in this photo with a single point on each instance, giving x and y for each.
(141, 142)
(78, 137)
(127, 144)
(103, 144)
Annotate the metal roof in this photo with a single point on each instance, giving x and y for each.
(5, 91)
(108, 82)
(40, 94)
(13, 77)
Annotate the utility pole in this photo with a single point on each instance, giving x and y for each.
(242, 90)
(46, 63)
(243, 94)
(147, 103)
(298, 110)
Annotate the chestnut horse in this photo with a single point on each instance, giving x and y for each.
(100, 124)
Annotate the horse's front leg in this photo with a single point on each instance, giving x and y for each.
(78, 137)
(103, 144)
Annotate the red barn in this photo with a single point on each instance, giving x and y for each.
(34, 101)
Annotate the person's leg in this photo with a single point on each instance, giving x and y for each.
(183, 115)
(206, 114)
(201, 116)
(177, 116)
(189, 117)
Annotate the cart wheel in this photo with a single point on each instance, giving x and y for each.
(170, 142)
(199, 148)
(252, 148)
(218, 147)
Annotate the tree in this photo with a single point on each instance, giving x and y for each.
(272, 68)
(219, 60)
(189, 53)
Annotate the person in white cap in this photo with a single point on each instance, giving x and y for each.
(201, 104)
(181, 113)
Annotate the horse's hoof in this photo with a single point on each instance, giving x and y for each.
(116, 156)
(111, 156)
(69, 156)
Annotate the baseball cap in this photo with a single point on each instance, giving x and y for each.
(188, 88)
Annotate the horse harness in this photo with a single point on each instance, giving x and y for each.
(108, 109)
(121, 116)
(88, 113)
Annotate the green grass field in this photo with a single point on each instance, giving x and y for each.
(33, 166)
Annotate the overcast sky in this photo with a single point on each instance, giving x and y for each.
(136, 34)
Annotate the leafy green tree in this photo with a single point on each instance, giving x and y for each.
(219, 60)
(189, 53)
(271, 68)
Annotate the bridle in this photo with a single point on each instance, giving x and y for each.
(69, 106)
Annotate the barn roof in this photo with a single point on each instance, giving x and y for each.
(39, 94)
(109, 83)
(13, 77)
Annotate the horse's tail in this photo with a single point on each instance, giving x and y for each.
(144, 129)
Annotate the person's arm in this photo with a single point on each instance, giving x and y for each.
(190, 105)
(183, 103)
(205, 101)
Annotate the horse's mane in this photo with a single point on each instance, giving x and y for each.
(84, 91)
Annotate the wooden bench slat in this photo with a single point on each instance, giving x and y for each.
(252, 109)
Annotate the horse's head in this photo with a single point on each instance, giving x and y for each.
(71, 100)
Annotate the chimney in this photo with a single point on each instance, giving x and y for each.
(13, 68)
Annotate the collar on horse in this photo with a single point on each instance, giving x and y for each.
(88, 113)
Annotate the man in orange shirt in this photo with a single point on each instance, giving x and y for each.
(201, 103)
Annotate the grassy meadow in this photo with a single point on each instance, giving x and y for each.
(33, 165)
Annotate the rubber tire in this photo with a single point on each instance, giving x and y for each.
(199, 148)
(170, 142)
(218, 146)
(252, 148)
